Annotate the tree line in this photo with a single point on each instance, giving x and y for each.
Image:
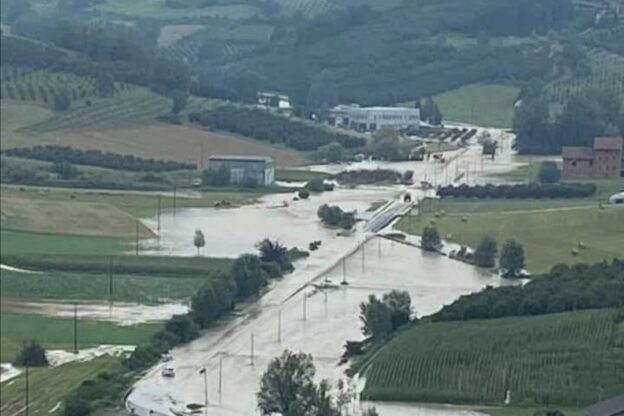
(564, 288)
(265, 126)
(58, 154)
(521, 191)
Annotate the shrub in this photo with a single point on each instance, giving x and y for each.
(32, 354)
(431, 238)
(76, 406)
(303, 193)
(549, 172)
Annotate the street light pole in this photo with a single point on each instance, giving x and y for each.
(75, 328)
(26, 391)
(205, 373)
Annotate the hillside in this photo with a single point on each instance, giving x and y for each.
(573, 358)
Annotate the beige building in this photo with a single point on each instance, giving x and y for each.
(604, 160)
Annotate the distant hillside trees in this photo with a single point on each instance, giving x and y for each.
(265, 126)
(66, 154)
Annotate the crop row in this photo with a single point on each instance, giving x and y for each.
(132, 107)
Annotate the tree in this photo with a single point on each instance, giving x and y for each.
(431, 239)
(65, 170)
(198, 240)
(183, 327)
(62, 101)
(430, 112)
(32, 354)
(376, 318)
(179, 99)
(248, 274)
(512, 258)
(332, 152)
(400, 304)
(549, 172)
(485, 254)
(104, 85)
(489, 147)
(287, 386)
(76, 406)
(274, 252)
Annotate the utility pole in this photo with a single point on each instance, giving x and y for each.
(110, 278)
(363, 255)
(279, 325)
(175, 189)
(344, 271)
(379, 242)
(26, 398)
(305, 299)
(75, 328)
(159, 208)
(251, 355)
(136, 237)
(220, 373)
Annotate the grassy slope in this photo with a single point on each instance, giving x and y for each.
(547, 236)
(156, 9)
(570, 359)
(49, 386)
(54, 332)
(480, 104)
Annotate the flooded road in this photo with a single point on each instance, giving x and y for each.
(293, 314)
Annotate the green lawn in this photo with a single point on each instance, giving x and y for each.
(547, 229)
(59, 332)
(479, 104)
(568, 359)
(50, 386)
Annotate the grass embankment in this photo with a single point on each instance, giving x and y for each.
(50, 386)
(572, 359)
(548, 229)
(55, 332)
(480, 104)
(298, 175)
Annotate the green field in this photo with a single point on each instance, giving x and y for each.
(572, 359)
(528, 411)
(479, 104)
(298, 175)
(50, 386)
(548, 229)
(54, 332)
(17, 242)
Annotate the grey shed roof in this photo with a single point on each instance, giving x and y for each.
(611, 407)
(238, 158)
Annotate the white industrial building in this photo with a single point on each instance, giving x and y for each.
(374, 118)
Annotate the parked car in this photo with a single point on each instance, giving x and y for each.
(167, 372)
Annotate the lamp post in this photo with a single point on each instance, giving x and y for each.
(205, 373)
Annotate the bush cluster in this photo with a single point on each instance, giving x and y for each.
(334, 216)
(265, 126)
(521, 191)
(58, 154)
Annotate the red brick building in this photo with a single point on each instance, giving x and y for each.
(604, 160)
